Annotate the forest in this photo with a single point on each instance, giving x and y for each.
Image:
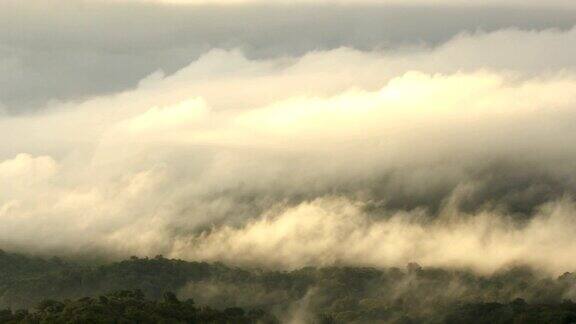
(151, 290)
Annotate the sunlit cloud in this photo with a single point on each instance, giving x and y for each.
(335, 156)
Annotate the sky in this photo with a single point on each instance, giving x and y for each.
(285, 134)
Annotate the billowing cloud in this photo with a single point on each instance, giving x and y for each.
(335, 231)
(346, 156)
(62, 50)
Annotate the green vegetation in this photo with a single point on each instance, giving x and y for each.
(320, 295)
(517, 311)
(131, 307)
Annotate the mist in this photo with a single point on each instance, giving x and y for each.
(365, 141)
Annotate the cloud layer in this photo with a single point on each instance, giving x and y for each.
(454, 155)
(62, 50)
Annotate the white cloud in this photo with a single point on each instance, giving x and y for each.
(336, 231)
(259, 149)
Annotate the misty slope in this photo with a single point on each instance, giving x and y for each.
(344, 294)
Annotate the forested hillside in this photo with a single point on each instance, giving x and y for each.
(131, 307)
(332, 294)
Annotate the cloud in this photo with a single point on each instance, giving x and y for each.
(26, 167)
(339, 156)
(183, 114)
(63, 50)
(335, 231)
